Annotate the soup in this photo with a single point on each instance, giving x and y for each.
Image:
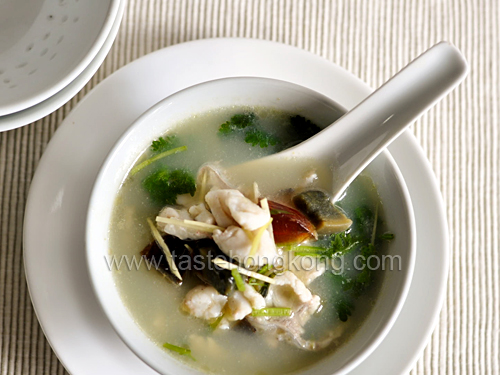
(265, 316)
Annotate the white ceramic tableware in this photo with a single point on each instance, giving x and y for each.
(49, 105)
(54, 248)
(46, 44)
(254, 92)
(362, 133)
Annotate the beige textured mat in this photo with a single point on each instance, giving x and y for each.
(372, 39)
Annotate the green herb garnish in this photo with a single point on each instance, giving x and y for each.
(386, 237)
(164, 185)
(253, 135)
(237, 122)
(258, 137)
(240, 284)
(163, 144)
(149, 161)
(360, 237)
(340, 244)
(264, 289)
(313, 251)
(272, 311)
(261, 286)
(364, 223)
(216, 323)
(303, 127)
(180, 350)
(259, 283)
(344, 309)
(243, 120)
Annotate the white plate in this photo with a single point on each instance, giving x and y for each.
(44, 108)
(54, 250)
(46, 44)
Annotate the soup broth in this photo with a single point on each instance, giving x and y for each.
(154, 302)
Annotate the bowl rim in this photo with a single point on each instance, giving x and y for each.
(61, 81)
(54, 102)
(143, 118)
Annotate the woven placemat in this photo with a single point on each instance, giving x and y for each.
(372, 39)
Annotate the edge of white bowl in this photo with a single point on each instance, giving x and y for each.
(137, 348)
(62, 82)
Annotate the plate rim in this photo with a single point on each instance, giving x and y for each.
(406, 137)
(42, 94)
(45, 107)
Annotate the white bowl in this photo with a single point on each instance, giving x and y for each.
(46, 44)
(51, 104)
(254, 92)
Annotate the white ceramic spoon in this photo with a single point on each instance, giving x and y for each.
(337, 154)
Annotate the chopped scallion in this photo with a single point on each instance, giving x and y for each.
(386, 237)
(273, 311)
(264, 269)
(240, 284)
(215, 324)
(307, 250)
(178, 349)
(149, 161)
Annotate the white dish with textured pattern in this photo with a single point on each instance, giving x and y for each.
(44, 108)
(46, 44)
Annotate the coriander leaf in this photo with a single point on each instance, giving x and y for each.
(342, 281)
(253, 136)
(363, 223)
(368, 250)
(164, 186)
(341, 243)
(361, 236)
(258, 137)
(343, 304)
(365, 278)
(344, 308)
(362, 282)
(237, 122)
(163, 144)
(157, 185)
(226, 128)
(183, 182)
(386, 237)
(243, 120)
(303, 127)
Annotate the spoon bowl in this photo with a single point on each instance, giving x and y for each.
(352, 142)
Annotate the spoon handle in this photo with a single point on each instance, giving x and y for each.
(360, 135)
